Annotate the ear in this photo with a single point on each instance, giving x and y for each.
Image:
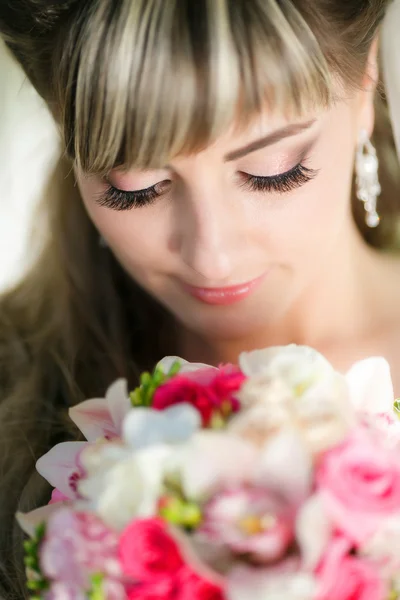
(366, 96)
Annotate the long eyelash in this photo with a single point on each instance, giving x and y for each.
(121, 200)
(283, 183)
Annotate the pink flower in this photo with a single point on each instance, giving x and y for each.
(341, 575)
(103, 417)
(99, 418)
(147, 551)
(210, 391)
(76, 546)
(151, 557)
(251, 521)
(61, 467)
(57, 497)
(193, 587)
(65, 591)
(359, 484)
(386, 426)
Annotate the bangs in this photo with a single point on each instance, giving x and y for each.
(148, 80)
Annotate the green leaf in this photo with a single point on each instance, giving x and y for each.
(143, 395)
(97, 593)
(396, 406)
(36, 582)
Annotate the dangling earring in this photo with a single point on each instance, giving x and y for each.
(367, 180)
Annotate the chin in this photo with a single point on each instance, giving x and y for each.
(226, 324)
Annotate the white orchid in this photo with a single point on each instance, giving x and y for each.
(103, 417)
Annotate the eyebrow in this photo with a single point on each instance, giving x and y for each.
(270, 139)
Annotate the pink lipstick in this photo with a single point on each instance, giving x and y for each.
(225, 295)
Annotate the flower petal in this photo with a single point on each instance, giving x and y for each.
(212, 460)
(274, 583)
(314, 530)
(94, 419)
(119, 403)
(370, 385)
(147, 427)
(285, 466)
(59, 464)
(29, 522)
(186, 367)
(293, 363)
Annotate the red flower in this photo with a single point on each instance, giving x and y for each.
(210, 391)
(155, 590)
(152, 559)
(193, 587)
(147, 551)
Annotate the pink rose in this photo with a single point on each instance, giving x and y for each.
(359, 484)
(341, 575)
(249, 521)
(210, 391)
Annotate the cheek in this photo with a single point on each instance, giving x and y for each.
(136, 237)
(311, 221)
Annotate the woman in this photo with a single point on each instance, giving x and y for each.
(204, 205)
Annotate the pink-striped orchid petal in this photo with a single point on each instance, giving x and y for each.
(103, 417)
(29, 522)
(61, 467)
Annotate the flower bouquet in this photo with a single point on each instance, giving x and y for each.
(278, 479)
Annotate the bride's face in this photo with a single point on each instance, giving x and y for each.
(230, 238)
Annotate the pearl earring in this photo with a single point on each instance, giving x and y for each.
(367, 180)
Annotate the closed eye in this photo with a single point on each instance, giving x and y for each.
(120, 200)
(282, 183)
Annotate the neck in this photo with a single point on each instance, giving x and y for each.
(338, 306)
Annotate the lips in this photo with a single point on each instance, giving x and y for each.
(224, 296)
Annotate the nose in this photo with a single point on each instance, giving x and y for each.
(207, 232)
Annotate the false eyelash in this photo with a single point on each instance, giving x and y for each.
(283, 183)
(120, 200)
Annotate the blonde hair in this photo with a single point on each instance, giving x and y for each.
(137, 82)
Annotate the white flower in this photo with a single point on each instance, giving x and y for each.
(284, 582)
(213, 461)
(300, 367)
(121, 484)
(145, 427)
(370, 385)
(293, 386)
(384, 547)
(314, 530)
(185, 367)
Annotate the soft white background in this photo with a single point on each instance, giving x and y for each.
(28, 149)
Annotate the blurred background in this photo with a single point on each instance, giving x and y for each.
(29, 148)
